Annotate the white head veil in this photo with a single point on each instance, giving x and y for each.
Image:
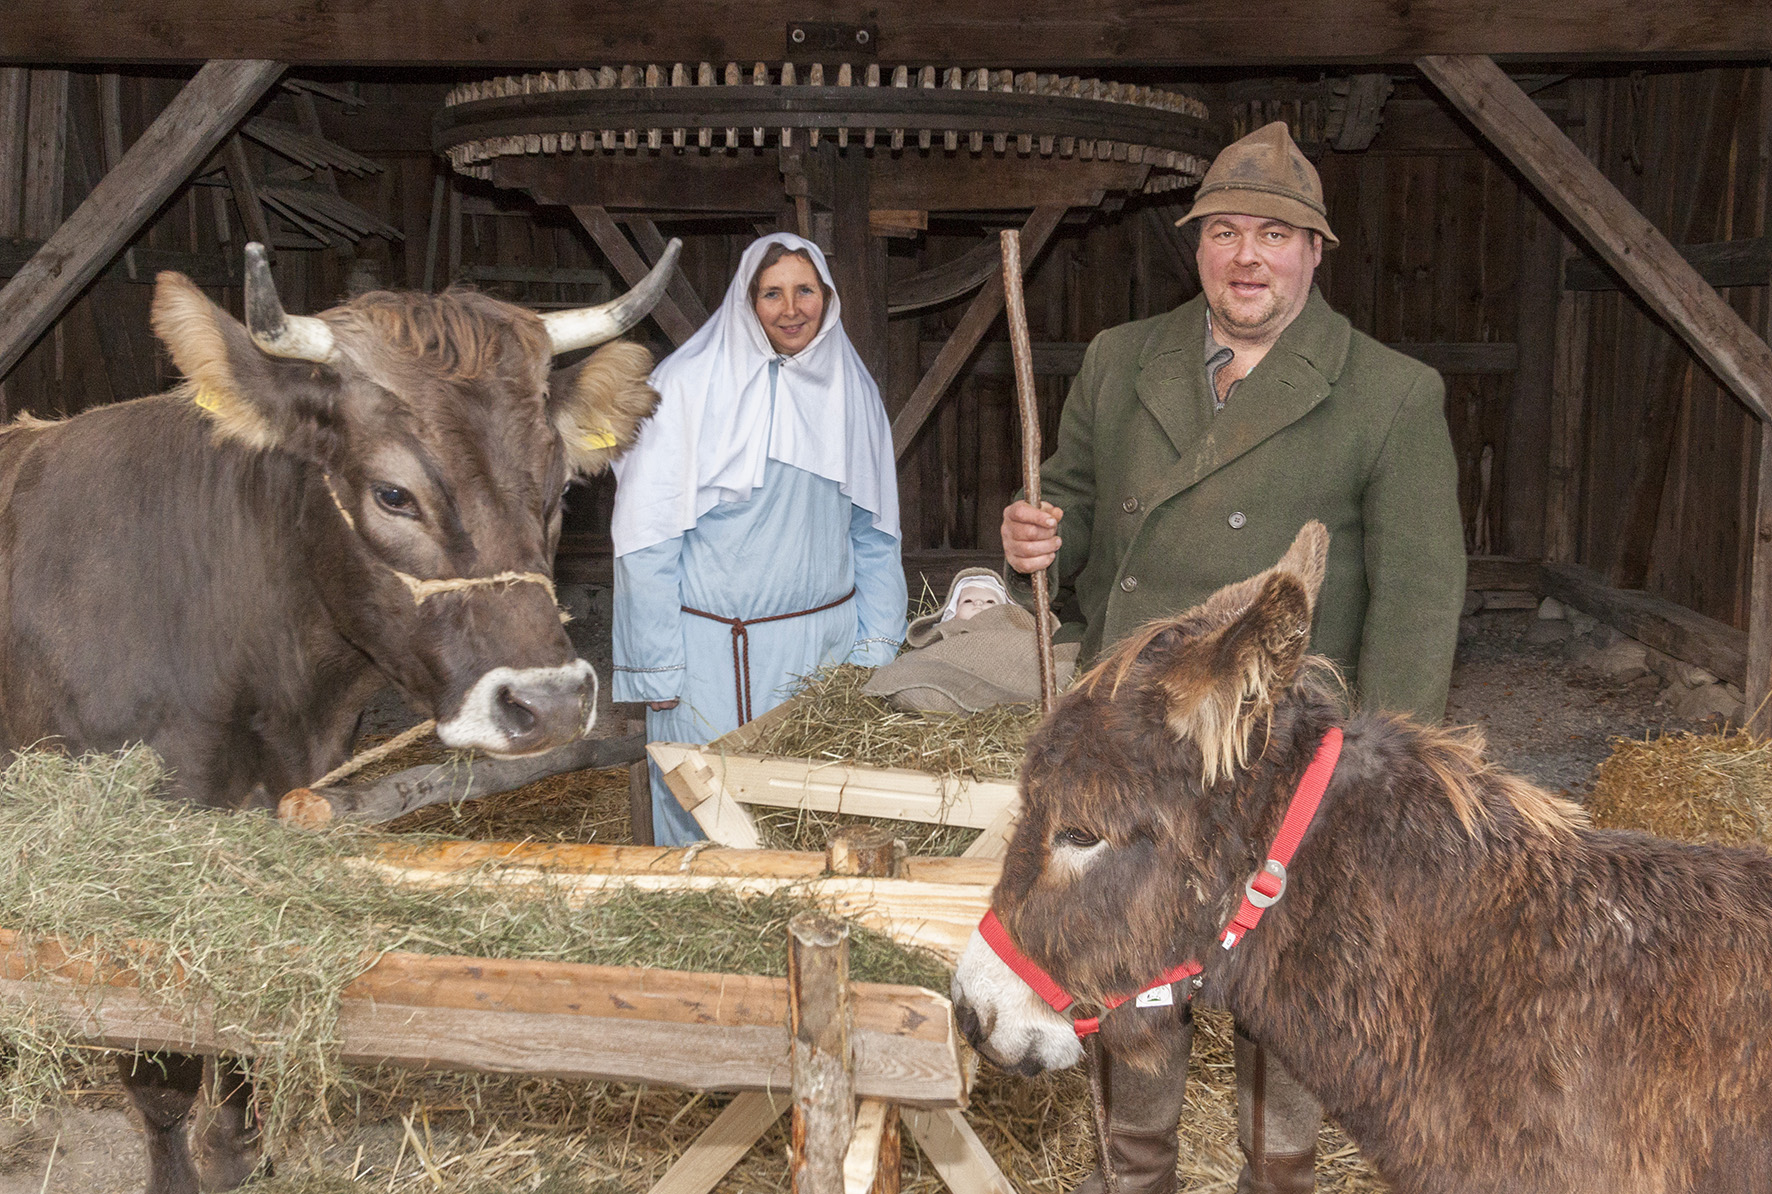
(713, 433)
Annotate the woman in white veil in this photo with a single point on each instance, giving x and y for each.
(756, 518)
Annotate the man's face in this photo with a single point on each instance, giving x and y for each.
(1256, 272)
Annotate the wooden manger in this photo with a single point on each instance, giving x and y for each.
(716, 781)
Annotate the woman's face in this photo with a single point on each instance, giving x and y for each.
(790, 304)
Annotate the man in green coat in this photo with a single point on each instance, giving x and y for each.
(1192, 448)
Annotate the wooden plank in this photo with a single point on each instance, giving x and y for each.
(245, 188)
(696, 787)
(1721, 263)
(1111, 33)
(1614, 229)
(1569, 369)
(724, 1143)
(205, 269)
(862, 1161)
(1757, 681)
(1525, 449)
(1669, 628)
(858, 266)
(1504, 573)
(46, 147)
(981, 313)
(956, 1152)
(633, 268)
(552, 1019)
(15, 91)
(652, 243)
(179, 140)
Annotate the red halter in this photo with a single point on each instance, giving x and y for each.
(1261, 892)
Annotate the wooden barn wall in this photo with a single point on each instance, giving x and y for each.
(1666, 457)
(1439, 246)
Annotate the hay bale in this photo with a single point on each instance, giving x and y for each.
(1694, 787)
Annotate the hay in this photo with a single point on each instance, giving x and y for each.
(1694, 787)
(269, 924)
(833, 719)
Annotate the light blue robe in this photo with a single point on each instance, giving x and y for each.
(797, 543)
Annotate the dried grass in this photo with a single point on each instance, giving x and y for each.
(267, 924)
(1694, 787)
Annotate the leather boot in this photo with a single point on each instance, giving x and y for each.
(1277, 1123)
(1143, 1112)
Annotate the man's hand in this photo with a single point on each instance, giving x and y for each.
(1030, 536)
(661, 706)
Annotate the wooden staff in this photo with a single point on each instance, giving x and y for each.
(1016, 311)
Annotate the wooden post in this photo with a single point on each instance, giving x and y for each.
(1612, 228)
(986, 305)
(1525, 451)
(1569, 372)
(179, 140)
(640, 829)
(15, 90)
(819, 1021)
(868, 850)
(1758, 686)
(858, 266)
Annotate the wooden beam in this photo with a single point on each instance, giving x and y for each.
(724, 1143)
(46, 151)
(1613, 229)
(633, 268)
(178, 141)
(1721, 263)
(1562, 500)
(245, 188)
(858, 265)
(652, 244)
(1043, 33)
(956, 1152)
(1757, 680)
(1526, 443)
(981, 313)
(1669, 628)
(595, 1023)
(205, 269)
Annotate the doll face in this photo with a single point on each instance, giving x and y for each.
(974, 598)
(790, 304)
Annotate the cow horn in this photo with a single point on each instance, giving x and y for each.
(585, 326)
(298, 337)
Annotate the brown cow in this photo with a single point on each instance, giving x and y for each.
(230, 571)
(1486, 992)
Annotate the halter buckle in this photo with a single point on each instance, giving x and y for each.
(1274, 871)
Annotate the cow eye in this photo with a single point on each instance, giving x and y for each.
(1080, 838)
(395, 500)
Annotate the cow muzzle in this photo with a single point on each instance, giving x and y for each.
(524, 711)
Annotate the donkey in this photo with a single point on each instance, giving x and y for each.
(1486, 992)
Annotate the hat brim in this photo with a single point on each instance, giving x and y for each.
(1236, 202)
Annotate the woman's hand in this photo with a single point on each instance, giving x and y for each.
(661, 706)
(1030, 536)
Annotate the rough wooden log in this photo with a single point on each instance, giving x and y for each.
(178, 141)
(1669, 628)
(1612, 228)
(819, 1019)
(870, 851)
(440, 783)
(594, 1023)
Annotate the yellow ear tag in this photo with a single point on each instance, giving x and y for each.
(595, 440)
(207, 399)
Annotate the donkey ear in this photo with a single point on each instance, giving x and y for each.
(1306, 560)
(599, 404)
(1219, 684)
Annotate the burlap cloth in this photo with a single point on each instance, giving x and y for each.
(967, 666)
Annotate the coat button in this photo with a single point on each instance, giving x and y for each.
(1237, 519)
(1130, 505)
(1130, 583)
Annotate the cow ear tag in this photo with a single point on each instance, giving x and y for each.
(207, 399)
(596, 440)
(1163, 996)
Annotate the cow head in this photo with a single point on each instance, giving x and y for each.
(435, 446)
(1133, 826)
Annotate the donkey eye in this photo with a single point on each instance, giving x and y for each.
(1080, 838)
(395, 500)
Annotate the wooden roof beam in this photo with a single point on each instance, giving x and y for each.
(1042, 33)
(180, 139)
(1614, 230)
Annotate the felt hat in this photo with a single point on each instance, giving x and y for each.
(1264, 174)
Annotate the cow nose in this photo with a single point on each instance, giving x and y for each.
(524, 711)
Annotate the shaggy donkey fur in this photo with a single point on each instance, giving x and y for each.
(1486, 992)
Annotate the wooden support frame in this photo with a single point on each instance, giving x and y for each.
(178, 141)
(598, 1023)
(1612, 228)
(986, 305)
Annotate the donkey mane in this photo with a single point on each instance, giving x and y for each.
(1454, 756)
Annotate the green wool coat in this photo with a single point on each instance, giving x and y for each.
(1165, 500)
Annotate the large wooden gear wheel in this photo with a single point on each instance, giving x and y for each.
(629, 110)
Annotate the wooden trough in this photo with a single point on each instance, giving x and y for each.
(714, 782)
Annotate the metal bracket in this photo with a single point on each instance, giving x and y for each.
(822, 40)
